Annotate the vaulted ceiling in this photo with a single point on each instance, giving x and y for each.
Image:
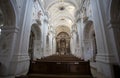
(61, 13)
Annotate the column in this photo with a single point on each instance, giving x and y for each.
(104, 55)
(21, 60)
(7, 49)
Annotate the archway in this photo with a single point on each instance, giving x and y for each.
(7, 38)
(114, 34)
(7, 21)
(90, 47)
(115, 27)
(63, 43)
(35, 42)
(31, 47)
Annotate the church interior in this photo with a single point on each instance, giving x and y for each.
(59, 38)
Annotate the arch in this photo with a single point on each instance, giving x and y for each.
(115, 11)
(86, 29)
(115, 20)
(63, 43)
(8, 23)
(62, 33)
(65, 17)
(35, 42)
(9, 12)
(90, 47)
(62, 28)
(115, 38)
(36, 30)
(115, 25)
(8, 19)
(31, 47)
(6, 40)
(7, 15)
(53, 3)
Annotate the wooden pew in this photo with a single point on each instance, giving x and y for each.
(64, 66)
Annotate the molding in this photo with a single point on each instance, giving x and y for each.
(20, 58)
(105, 58)
(9, 29)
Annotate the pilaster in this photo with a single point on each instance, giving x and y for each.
(104, 56)
(7, 47)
